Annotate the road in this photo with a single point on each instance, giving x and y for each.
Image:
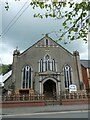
(50, 111)
(66, 114)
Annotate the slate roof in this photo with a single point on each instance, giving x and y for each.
(85, 63)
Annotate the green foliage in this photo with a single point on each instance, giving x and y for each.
(0, 69)
(7, 6)
(5, 68)
(76, 19)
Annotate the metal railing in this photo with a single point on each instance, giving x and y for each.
(42, 97)
(76, 96)
(22, 98)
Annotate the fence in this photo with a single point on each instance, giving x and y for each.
(76, 96)
(39, 97)
(23, 98)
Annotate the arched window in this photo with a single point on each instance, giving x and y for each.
(53, 65)
(41, 65)
(47, 64)
(26, 77)
(46, 42)
(67, 76)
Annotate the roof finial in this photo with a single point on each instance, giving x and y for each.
(46, 34)
(16, 52)
(16, 47)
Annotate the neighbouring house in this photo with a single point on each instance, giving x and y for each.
(85, 65)
(7, 81)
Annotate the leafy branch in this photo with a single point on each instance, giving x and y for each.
(75, 20)
(75, 16)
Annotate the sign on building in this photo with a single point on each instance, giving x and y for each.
(72, 88)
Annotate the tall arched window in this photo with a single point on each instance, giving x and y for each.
(41, 65)
(67, 76)
(47, 65)
(26, 77)
(53, 65)
(46, 42)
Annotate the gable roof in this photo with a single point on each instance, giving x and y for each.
(46, 36)
(85, 63)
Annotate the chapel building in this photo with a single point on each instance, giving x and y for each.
(45, 67)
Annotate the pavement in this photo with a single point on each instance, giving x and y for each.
(42, 109)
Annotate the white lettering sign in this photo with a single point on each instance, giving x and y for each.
(72, 88)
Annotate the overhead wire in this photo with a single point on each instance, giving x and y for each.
(14, 17)
(14, 20)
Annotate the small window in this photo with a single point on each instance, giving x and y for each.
(47, 57)
(46, 42)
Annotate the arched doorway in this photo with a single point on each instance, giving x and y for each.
(49, 88)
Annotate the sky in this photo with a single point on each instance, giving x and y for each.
(20, 28)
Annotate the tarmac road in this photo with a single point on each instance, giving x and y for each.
(50, 111)
(68, 114)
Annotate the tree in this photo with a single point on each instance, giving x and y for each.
(75, 16)
(5, 68)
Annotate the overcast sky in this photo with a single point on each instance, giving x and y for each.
(24, 30)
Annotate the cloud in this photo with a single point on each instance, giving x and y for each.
(84, 55)
(84, 51)
(6, 54)
(78, 45)
(28, 30)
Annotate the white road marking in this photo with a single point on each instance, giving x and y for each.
(44, 113)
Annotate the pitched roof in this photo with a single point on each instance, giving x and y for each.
(46, 36)
(6, 76)
(85, 63)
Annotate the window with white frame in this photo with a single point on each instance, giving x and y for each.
(47, 64)
(67, 76)
(41, 65)
(53, 65)
(26, 77)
